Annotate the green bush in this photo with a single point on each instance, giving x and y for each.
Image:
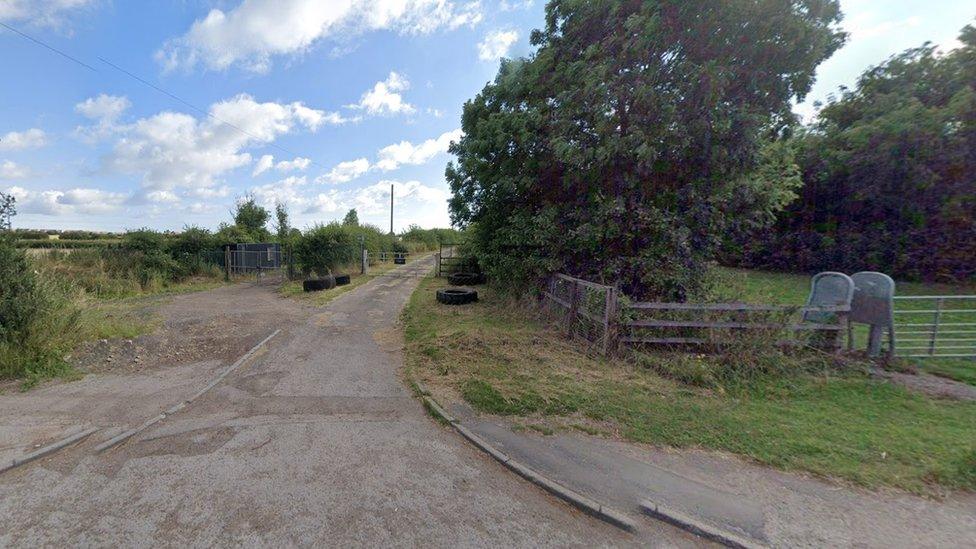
(146, 241)
(28, 234)
(38, 322)
(325, 248)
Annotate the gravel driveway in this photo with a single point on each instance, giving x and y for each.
(315, 441)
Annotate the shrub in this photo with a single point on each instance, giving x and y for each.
(28, 234)
(38, 322)
(146, 241)
(325, 248)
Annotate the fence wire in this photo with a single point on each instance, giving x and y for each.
(583, 310)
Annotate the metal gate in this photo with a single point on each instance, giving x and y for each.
(930, 326)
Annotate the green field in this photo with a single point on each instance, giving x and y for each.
(835, 421)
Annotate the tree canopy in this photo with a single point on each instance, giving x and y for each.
(352, 218)
(611, 153)
(889, 175)
(252, 219)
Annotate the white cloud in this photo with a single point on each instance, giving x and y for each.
(405, 152)
(28, 139)
(104, 111)
(40, 12)
(514, 5)
(253, 33)
(104, 107)
(168, 197)
(384, 98)
(263, 165)
(496, 44)
(202, 208)
(210, 192)
(11, 170)
(298, 163)
(345, 171)
(79, 200)
(416, 202)
(171, 150)
(286, 191)
(376, 198)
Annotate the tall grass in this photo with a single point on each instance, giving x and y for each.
(39, 322)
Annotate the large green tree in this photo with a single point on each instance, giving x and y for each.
(611, 151)
(889, 172)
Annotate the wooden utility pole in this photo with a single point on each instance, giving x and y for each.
(391, 208)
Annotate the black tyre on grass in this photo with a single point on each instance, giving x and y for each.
(457, 296)
(466, 279)
(342, 280)
(318, 285)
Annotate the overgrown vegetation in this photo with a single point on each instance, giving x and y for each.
(889, 176)
(808, 413)
(622, 150)
(38, 321)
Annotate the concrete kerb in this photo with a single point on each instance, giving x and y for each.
(568, 495)
(122, 437)
(47, 450)
(697, 527)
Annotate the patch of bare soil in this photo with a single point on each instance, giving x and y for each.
(219, 324)
(934, 386)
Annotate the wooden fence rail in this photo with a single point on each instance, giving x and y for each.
(594, 312)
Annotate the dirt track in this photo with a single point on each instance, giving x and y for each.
(315, 441)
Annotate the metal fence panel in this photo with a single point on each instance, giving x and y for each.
(935, 326)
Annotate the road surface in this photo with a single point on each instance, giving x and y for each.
(316, 441)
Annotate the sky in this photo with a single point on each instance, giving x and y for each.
(118, 115)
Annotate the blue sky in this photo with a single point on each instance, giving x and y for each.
(319, 104)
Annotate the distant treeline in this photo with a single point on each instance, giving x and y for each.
(35, 234)
(889, 176)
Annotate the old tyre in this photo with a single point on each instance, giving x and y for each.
(466, 279)
(456, 296)
(342, 280)
(318, 285)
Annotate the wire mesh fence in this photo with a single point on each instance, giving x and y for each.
(586, 311)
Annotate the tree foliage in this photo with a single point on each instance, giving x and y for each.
(612, 151)
(352, 218)
(252, 219)
(889, 172)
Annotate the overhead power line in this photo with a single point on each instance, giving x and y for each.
(154, 87)
(48, 46)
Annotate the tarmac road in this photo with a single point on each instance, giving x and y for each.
(316, 441)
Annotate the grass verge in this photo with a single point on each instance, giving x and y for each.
(846, 426)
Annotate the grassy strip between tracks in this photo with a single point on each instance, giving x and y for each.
(293, 289)
(835, 423)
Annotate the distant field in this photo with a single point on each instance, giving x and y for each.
(789, 289)
(67, 244)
